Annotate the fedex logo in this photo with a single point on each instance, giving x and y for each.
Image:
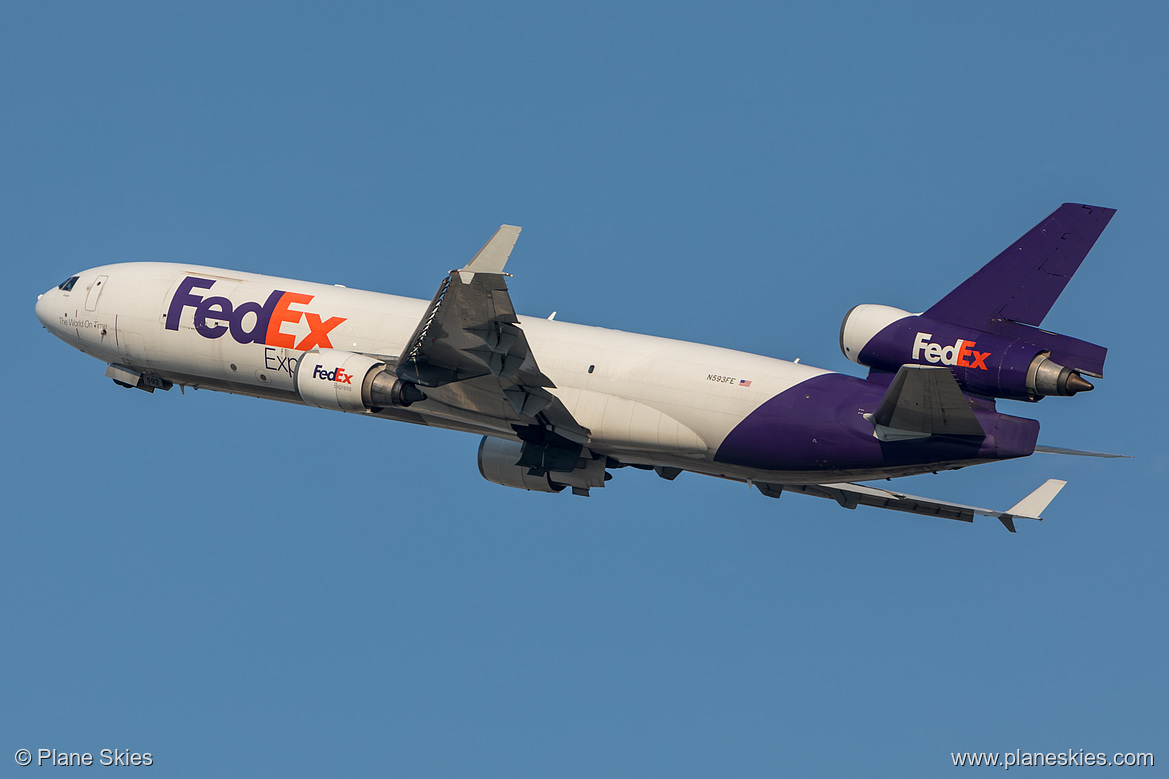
(960, 353)
(339, 375)
(248, 323)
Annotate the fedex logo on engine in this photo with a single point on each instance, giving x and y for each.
(251, 322)
(337, 375)
(959, 353)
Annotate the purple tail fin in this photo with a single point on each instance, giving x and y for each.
(1022, 283)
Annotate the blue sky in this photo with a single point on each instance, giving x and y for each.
(241, 587)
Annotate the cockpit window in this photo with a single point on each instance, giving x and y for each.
(68, 283)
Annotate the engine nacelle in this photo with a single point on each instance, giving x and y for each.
(1018, 362)
(862, 323)
(346, 381)
(499, 462)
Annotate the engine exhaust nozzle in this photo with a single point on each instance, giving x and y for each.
(1045, 377)
(385, 389)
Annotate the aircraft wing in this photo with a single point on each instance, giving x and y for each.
(470, 354)
(852, 495)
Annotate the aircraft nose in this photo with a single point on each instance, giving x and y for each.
(43, 308)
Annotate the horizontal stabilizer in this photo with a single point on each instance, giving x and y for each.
(852, 495)
(1078, 452)
(925, 400)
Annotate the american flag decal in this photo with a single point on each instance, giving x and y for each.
(744, 383)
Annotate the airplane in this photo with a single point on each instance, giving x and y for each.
(560, 405)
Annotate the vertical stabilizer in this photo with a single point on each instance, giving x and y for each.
(1023, 282)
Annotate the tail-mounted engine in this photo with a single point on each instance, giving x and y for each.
(1013, 361)
(346, 381)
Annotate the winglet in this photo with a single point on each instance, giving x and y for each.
(493, 256)
(1034, 504)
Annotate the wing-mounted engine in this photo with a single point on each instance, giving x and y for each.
(1018, 362)
(347, 381)
(540, 467)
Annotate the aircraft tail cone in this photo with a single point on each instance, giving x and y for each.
(1077, 383)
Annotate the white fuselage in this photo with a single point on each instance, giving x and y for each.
(648, 400)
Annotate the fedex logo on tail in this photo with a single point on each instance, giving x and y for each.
(216, 315)
(959, 353)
